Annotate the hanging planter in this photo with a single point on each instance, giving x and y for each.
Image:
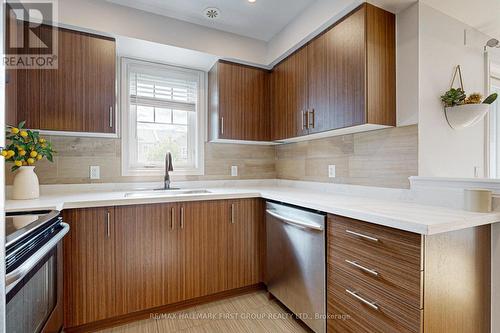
(462, 111)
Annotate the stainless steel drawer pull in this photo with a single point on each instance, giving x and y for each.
(354, 294)
(222, 125)
(354, 233)
(232, 213)
(110, 116)
(363, 268)
(172, 218)
(182, 217)
(108, 222)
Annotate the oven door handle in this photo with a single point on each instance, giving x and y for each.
(16, 275)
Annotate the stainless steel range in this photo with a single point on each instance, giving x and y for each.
(34, 271)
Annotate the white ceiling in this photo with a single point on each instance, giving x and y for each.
(484, 15)
(260, 20)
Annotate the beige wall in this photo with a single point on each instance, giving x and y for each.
(380, 158)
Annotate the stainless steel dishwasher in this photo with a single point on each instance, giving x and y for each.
(296, 262)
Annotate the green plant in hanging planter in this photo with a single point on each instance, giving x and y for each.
(490, 99)
(453, 97)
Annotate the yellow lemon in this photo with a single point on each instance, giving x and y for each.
(31, 160)
(14, 130)
(44, 145)
(11, 153)
(24, 134)
(22, 152)
(39, 157)
(42, 140)
(33, 153)
(4, 153)
(18, 163)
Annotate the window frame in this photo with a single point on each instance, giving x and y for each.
(129, 120)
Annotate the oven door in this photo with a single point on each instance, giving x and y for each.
(34, 292)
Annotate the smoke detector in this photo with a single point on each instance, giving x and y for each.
(212, 13)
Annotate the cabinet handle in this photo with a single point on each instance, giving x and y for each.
(303, 114)
(222, 125)
(361, 267)
(111, 117)
(172, 218)
(182, 217)
(309, 123)
(354, 294)
(307, 119)
(108, 222)
(232, 213)
(373, 239)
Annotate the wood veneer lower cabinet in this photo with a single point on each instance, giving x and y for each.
(156, 255)
(383, 280)
(89, 266)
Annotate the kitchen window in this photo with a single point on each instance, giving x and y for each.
(163, 108)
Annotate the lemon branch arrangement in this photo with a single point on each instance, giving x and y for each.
(25, 147)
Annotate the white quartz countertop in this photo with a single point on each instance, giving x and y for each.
(404, 215)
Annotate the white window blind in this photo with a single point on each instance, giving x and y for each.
(168, 91)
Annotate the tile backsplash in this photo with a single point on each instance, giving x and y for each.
(76, 154)
(383, 158)
(379, 158)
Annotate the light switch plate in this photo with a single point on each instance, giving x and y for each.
(95, 172)
(234, 170)
(331, 171)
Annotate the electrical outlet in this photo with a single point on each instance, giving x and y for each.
(95, 172)
(234, 170)
(331, 171)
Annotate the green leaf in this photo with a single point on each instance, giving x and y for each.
(21, 124)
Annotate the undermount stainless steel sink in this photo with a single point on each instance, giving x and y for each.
(163, 193)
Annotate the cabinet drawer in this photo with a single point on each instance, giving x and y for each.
(385, 275)
(396, 248)
(355, 306)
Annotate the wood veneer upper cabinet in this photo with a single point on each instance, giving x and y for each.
(319, 118)
(289, 93)
(361, 69)
(78, 96)
(278, 103)
(239, 102)
(89, 266)
(245, 231)
(148, 257)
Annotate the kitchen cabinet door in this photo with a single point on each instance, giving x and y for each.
(319, 117)
(278, 103)
(62, 95)
(99, 62)
(78, 96)
(203, 229)
(148, 257)
(245, 245)
(346, 70)
(89, 266)
(239, 102)
(297, 94)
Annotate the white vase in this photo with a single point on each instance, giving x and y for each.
(26, 184)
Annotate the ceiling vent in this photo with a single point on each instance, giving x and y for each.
(212, 13)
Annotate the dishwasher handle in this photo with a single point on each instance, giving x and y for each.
(296, 223)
